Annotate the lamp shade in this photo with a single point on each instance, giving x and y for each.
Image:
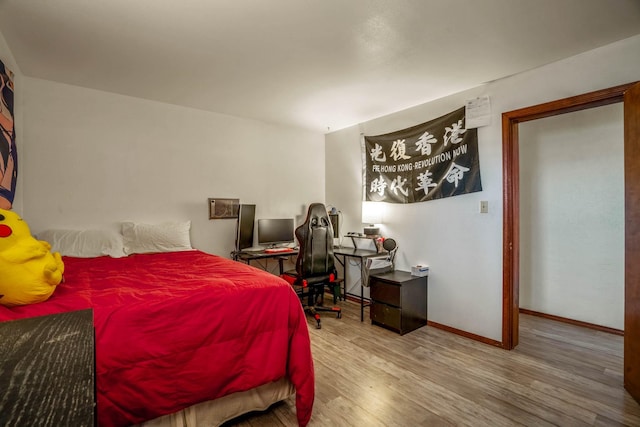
(371, 213)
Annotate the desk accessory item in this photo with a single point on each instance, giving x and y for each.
(371, 230)
(372, 216)
(277, 250)
(381, 263)
(367, 242)
(334, 217)
(420, 270)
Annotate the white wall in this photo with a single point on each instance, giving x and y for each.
(92, 159)
(572, 215)
(462, 246)
(9, 61)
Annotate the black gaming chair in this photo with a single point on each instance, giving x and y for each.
(315, 264)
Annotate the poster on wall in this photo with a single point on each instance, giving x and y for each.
(429, 161)
(8, 152)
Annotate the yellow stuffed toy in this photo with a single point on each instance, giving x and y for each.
(29, 272)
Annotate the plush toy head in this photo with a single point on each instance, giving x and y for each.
(29, 271)
(12, 229)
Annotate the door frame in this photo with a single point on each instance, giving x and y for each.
(511, 194)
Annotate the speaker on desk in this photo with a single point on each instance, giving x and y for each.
(335, 224)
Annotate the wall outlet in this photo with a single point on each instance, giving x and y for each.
(484, 206)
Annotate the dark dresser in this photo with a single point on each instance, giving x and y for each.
(47, 371)
(398, 301)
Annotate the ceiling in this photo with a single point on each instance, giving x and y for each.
(321, 65)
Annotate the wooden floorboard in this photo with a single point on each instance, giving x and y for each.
(559, 375)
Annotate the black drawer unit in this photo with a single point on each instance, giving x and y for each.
(398, 301)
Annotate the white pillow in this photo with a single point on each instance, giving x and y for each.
(165, 237)
(84, 243)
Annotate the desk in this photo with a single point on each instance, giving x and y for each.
(361, 255)
(47, 366)
(262, 255)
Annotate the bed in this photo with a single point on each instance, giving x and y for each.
(185, 337)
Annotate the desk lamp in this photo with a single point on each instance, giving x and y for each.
(371, 215)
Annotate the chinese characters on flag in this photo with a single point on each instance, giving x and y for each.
(429, 161)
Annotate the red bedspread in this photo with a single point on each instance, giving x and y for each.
(175, 329)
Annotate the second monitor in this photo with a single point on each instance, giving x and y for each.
(275, 231)
(244, 230)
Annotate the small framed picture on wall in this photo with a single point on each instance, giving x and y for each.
(223, 208)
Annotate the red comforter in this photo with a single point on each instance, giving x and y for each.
(175, 329)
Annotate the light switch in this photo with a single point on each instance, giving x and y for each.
(484, 206)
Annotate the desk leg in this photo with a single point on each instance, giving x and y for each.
(346, 278)
(345, 266)
(344, 282)
(362, 275)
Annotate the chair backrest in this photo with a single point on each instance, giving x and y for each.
(315, 241)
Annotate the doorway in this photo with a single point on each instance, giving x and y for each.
(630, 95)
(572, 217)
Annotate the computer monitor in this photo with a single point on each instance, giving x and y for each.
(244, 231)
(272, 232)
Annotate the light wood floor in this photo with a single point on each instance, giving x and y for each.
(559, 374)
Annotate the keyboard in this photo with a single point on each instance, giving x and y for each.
(277, 250)
(253, 249)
